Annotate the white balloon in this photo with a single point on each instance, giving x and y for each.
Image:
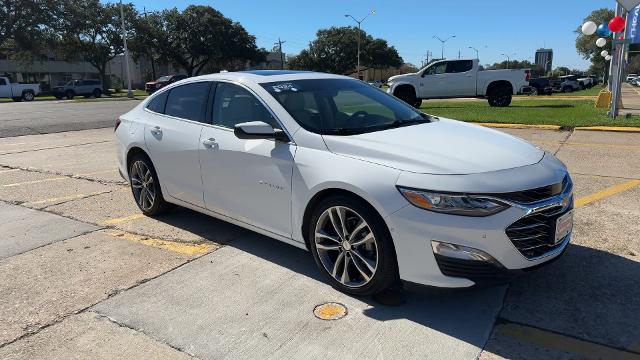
(608, 57)
(604, 53)
(589, 28)
(601, 42)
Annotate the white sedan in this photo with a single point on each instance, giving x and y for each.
(377, 191)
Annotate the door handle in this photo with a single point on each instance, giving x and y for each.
(156, 130)
(209, 142)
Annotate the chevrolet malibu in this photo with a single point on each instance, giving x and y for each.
(377, 191)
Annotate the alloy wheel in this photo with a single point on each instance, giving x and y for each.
(346, 246)
(142, 185)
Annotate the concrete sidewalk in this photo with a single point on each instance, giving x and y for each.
(630, 100)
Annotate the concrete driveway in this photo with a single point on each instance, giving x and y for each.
(85, 275)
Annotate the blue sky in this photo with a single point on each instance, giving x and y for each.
(502, 26)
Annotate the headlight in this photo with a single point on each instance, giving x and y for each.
(455, 204)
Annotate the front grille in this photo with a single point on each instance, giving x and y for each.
(534, 235)
(537, 194)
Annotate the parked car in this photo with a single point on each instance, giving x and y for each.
(542, 86)
(459, 78)
(567, 83)
(631, 77)
(17, 91)
(585, 82)
(75, 88)
(153, 86)
(595, 79)
(377, 191)
(376, 83)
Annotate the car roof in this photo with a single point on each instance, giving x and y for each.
(266, 76)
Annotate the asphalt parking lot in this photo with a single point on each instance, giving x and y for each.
(85, 275)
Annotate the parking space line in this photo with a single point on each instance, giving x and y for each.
(34, 182)
(182, 248)
(123, 219)
(8, 171)
(585, 200)
(65, 198)
(552, 340)
(97, 172)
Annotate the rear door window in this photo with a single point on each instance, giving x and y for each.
(459, 66)
(3, 82)
(158, 102)
(188, 101)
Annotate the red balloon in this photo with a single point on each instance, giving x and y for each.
(616, 24)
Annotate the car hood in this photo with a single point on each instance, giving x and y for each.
(440, 147)
(400, 77)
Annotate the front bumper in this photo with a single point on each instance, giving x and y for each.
(413, 230)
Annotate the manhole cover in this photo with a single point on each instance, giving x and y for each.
(330, 311)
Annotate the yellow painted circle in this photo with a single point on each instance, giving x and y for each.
(330, 311)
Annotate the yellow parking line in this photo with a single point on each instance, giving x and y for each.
(552, 340)
(123, 219)
(585, 200)
(34, 182)
(64, 198)
(182, 248)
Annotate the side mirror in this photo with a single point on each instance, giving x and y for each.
(259, 130)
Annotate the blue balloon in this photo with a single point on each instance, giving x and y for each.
(603, 30)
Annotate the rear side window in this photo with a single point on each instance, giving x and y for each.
(158, 102)
(459, 66)
(3, 82)
(188, 101)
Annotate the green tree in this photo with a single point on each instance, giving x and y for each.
(198, 38)
(335, 50)
(91, 31)
(26, 25)
(586, 45)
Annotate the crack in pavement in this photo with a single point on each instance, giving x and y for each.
(562, 142)
(54, 147)
(72, 176)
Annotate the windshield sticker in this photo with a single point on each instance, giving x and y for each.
(284, 87)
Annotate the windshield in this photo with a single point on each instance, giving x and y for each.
(164, 78)
(342, 106)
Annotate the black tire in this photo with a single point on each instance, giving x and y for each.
(158, 204)
(385, 273)
(59, 97)
(70, 94)
(28, 95)
(407, 95)
(97, 93)
(500, 96)
(567, 89)
(534, 91)
(417, 103)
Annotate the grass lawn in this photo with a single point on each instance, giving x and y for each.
(570, 113)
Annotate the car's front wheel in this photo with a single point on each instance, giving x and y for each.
(352, 246)
(145, 186)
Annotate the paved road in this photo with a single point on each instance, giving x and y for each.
(44, 117)
(85, 275)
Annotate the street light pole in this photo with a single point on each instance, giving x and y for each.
(443, 41)
(373, 12)
(126, 52)
(476, 50)
(508, 58)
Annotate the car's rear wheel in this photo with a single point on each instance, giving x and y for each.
(69, 94)
(352, 246)
(97, 93)
(500, 96)
(146, 187)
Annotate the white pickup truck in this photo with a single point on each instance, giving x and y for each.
(18, 92)
(458, 79)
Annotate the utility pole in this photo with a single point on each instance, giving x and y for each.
(476, 50)
(373, 12)
(443, 41)
(126, 52)
(279, 43)
(508, 58)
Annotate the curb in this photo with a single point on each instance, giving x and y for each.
(629, 129)
(520, 126)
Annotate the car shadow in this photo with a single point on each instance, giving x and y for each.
(588, 293)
